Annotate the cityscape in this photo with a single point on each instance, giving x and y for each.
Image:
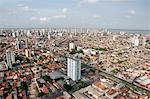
(74, 61)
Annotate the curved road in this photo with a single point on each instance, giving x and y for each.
(117, 79)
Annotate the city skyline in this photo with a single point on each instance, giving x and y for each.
(56, 63)
(118, 14)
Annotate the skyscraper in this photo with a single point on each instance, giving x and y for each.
(10, 57)
(74, 68)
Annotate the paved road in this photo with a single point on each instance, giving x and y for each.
(117, 79)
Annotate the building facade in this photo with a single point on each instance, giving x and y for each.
(10, 57)
(71, 46)
(74, 68)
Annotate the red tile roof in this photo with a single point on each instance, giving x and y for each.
(45, 89)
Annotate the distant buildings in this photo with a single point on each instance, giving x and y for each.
(10, 57)
(74, 68)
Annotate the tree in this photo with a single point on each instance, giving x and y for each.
(115, 71)
(80, 51)
(23, 86)
(47, 78)
(73, 51)
(2, 45)
(41, 94)
(67, 87)
(41, 58)
(5, 76)
(9, 88)
(100, 63)
(101, 49)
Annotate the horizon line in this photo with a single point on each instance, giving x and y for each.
(74, 28)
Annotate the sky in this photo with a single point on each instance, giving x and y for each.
(117, 14)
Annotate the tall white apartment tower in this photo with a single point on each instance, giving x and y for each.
(74, 68)
(71, 46)
(17, 43)
(135, 41)
(27, 52)
(49, 35)
(14, 34)
(10, 57)
(144, 41)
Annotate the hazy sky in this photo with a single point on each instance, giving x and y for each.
(126, 14)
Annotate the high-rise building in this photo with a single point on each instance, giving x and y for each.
(135, 41)
(74, 68)
(10, 57)
(17, 33)
(27, 53)
(26, 43)
(20, 44)
(29, 33)
(71, 46)
(49, 35)
(17, 43)
(144, 41)
(14, 34)
(114, 37)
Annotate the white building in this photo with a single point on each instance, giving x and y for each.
(71, 46)
(49, 36)
(10, 57)
(29, 33)
(14, 34)
(114, 37)
(144, 41)
(60, 34)
(135, 41)
(27, 53)
(17, 43)
(74, 68)
(26, 42)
